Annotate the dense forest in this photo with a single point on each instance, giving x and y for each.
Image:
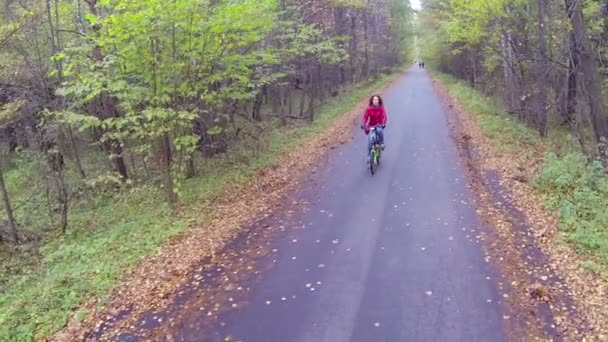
(148, 85)
(545, 60)
(109, 104)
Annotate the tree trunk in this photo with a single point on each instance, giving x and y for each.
(282, 105)
(56, 164)
(311, 90)
(510, 85)
(108, 106)
(62, 196)
(146, 169)
(319, 94)
(166, 158)
(76, 153)
(571, 85)
(541, 112)
(266, 94)
(7, 207)
(115, 151)
(290, 101)
(190, 168)
(474, 71)
(302, 103)
(311, 108)
(365, 46)
(353, 48)
(590, 71)
(276, 101)
(257, 107)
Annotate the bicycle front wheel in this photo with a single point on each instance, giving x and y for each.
(373, 162)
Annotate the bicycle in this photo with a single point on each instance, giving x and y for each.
(376, 150)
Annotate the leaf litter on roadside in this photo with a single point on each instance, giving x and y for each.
(590, 292)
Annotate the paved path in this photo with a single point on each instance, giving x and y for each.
(391, 257)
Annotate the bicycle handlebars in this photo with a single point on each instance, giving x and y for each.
(367, 126)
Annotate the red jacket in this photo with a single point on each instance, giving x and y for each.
(374, 116)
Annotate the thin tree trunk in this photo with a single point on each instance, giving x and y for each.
(48, 201)
(190, 168)
(311, 95)
(508, 72)
(474, 71)
(290, 101)
(166, 157)
(108, 106)
(76, 153)
(63, 199)
(541, 120)
(7, 207)
(319, 84)
(590, 70)
(302, 103)
(353, 49)
(365, 46)
(311, 108)
(145, 165)
(276, 101)
(114, 149)
(571, 79)
(257, 107)
(282, 105)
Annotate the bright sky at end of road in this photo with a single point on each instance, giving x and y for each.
(415, 4)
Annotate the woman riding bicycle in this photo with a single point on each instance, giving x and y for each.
(375, 116)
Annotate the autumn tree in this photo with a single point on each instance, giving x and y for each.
(542, 58)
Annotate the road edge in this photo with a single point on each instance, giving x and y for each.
(515, 210)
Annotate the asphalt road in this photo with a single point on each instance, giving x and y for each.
(389, 257)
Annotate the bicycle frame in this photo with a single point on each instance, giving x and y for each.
(375, 150)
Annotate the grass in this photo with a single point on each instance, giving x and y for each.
(572, 187)
(41, 287)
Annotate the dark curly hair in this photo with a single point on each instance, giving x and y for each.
(380, 102)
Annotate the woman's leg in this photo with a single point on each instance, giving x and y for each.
(380, 133)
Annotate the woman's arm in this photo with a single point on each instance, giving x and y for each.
(384, 116)
(365, 117)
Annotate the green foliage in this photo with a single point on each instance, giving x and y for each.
(298, 41)
(506, 132)
(474, 21)
(84, 263)
(10, 110)
(154, 53)
(578, 191)
(349, 3)
(402, 28)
